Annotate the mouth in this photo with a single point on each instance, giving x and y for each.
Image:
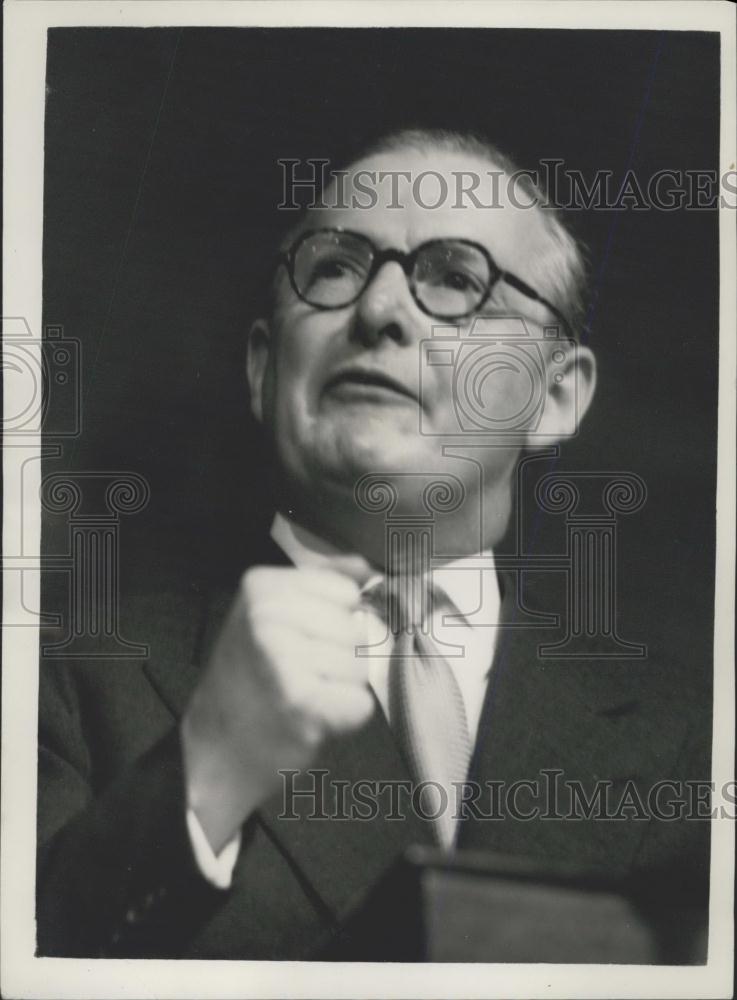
(364, 382)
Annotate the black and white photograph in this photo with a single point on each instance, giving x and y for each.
(369, 545)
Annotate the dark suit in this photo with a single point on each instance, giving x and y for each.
(116, 876)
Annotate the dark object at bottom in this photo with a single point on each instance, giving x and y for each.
(492, 908)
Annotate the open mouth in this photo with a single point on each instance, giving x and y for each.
(361, 381)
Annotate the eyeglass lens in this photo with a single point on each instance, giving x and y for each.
(331, 269)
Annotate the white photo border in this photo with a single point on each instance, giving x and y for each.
(24, 975)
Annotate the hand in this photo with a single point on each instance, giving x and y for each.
(283, 676)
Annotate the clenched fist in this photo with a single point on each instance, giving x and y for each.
(282, 676)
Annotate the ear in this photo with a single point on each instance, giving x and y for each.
(570, 389)
(257, 358)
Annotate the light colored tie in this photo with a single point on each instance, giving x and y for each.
(426, 709)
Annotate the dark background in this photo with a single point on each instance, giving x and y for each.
(161, 185)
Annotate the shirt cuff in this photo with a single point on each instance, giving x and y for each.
(216, 868)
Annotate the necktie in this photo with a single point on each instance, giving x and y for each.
(426, 709)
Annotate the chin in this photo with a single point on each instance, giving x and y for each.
(398, 456)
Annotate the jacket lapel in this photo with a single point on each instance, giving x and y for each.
(592, 720)
(343, 857)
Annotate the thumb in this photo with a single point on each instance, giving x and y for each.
(354, 566)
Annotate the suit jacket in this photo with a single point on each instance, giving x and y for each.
(116, 876)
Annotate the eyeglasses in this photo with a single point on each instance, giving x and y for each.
(449, 279)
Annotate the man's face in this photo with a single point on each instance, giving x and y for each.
(339, 391)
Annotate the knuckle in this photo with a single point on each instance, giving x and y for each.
(311, 731)
(293, 693)
(368, 702)
(262, 636)
(335, 583)
(363, 701)
(260, 580)
(299, 713)
(250, 584)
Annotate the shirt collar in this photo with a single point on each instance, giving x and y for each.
(468, 591)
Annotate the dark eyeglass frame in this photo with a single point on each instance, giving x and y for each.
(407, 262)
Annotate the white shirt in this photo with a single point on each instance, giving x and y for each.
(469, 637)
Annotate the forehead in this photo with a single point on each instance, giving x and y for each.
(416, 195)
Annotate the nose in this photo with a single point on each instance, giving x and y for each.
(385, 309)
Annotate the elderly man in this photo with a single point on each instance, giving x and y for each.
(174, 815)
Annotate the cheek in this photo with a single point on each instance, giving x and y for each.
(300, 355)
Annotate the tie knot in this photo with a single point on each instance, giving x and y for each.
(405, 603)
